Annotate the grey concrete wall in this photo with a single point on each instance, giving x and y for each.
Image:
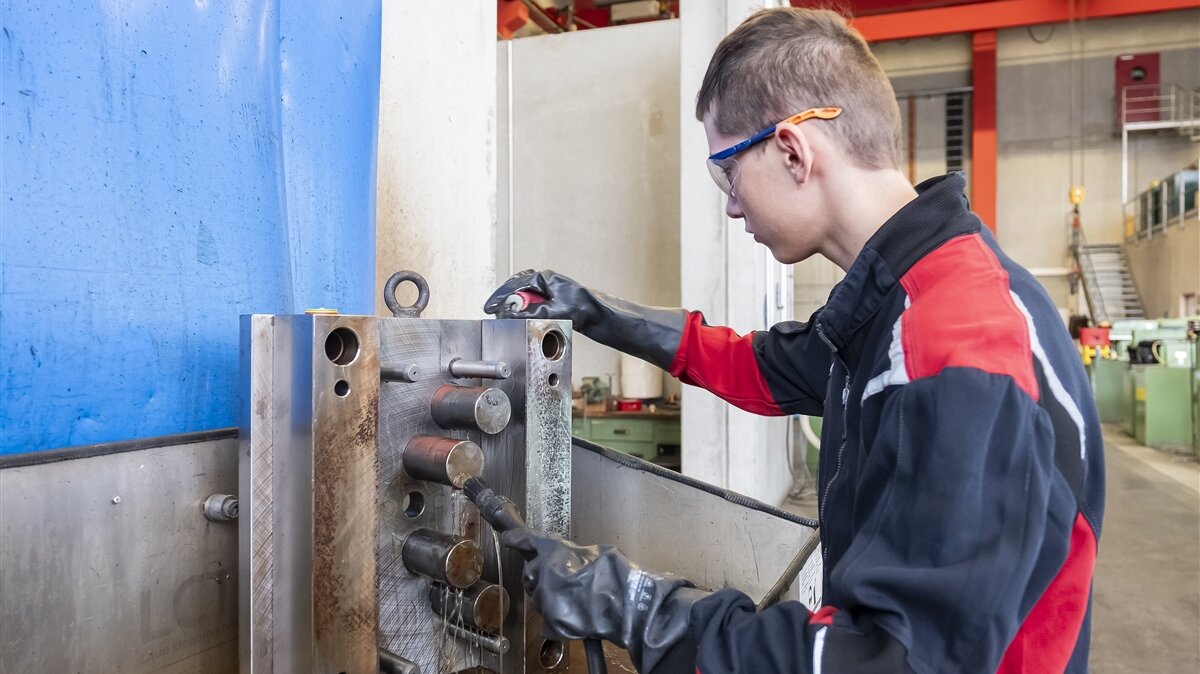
(1166, 267)
(1041, 144)
(1039, 138)
(592, 184)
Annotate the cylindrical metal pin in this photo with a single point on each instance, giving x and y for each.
(223, 507)
(492, 643)
(406, 373)
(480, 369)
(451, 559)
(471, 408)
(390, 663)
(443, 460)
(483, 606)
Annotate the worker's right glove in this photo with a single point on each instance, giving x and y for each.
(650, 333)
(594, 591)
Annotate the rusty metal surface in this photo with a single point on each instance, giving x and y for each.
(343, 428)
(308, 537)
(345, 404)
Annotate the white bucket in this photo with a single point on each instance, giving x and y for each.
(640, 379)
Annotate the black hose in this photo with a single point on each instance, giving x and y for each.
(594, 649)
(502, 515)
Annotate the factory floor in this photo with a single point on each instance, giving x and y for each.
(1146, 602)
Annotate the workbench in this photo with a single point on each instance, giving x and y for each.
(653, 436)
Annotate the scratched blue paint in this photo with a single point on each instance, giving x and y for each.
(168, 166)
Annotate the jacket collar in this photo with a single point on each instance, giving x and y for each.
(938, 214)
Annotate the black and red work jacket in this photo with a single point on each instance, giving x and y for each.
(961, 466)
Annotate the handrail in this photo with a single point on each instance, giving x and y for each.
(1166, 204)
(1087, 270)
(1170, 102)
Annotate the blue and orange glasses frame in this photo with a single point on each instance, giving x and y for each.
(720, 164)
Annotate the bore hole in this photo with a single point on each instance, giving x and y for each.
(553, 345)
(413, 504)
(342, 388)
(341, 346)
(553, 379)
(551, 653)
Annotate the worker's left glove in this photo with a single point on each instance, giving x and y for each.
(650, 333)
(594, 591)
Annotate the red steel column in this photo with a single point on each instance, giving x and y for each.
(983, 126)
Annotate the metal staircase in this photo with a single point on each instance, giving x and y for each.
(1107, 284)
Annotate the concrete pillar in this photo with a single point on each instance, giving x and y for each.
(437, 152)
(733, 280)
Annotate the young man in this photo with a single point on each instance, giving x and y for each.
(961, 465)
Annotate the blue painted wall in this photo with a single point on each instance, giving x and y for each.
(166, 167)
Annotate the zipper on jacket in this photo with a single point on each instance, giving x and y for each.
(842, 448)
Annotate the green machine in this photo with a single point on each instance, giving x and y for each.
(1114, 400)
(1162, 406)
(1196, 410)
(1111, 383)
(1121, 334)
(1161, 385)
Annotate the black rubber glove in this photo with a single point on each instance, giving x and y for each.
(594, 591)
(650, 333)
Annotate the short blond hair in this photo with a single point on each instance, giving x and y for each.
(784, 60)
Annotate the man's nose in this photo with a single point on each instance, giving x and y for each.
(733, 209)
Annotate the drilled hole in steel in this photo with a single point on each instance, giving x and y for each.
(553, 345)
(551, 653)
(553, 379)
(342, 388)
(413, 504)
(341, 346)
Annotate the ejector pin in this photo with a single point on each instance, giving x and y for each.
(443, 460)
(480, 369)
(453, 560)
(483, 606)
(471, 408)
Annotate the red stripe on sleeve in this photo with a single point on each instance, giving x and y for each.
(1047, 638)
(723, 362)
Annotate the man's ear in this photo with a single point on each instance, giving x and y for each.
(797, 152)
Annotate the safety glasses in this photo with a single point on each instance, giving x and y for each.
(722, 166)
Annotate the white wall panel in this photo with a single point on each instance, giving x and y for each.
(592, 184)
